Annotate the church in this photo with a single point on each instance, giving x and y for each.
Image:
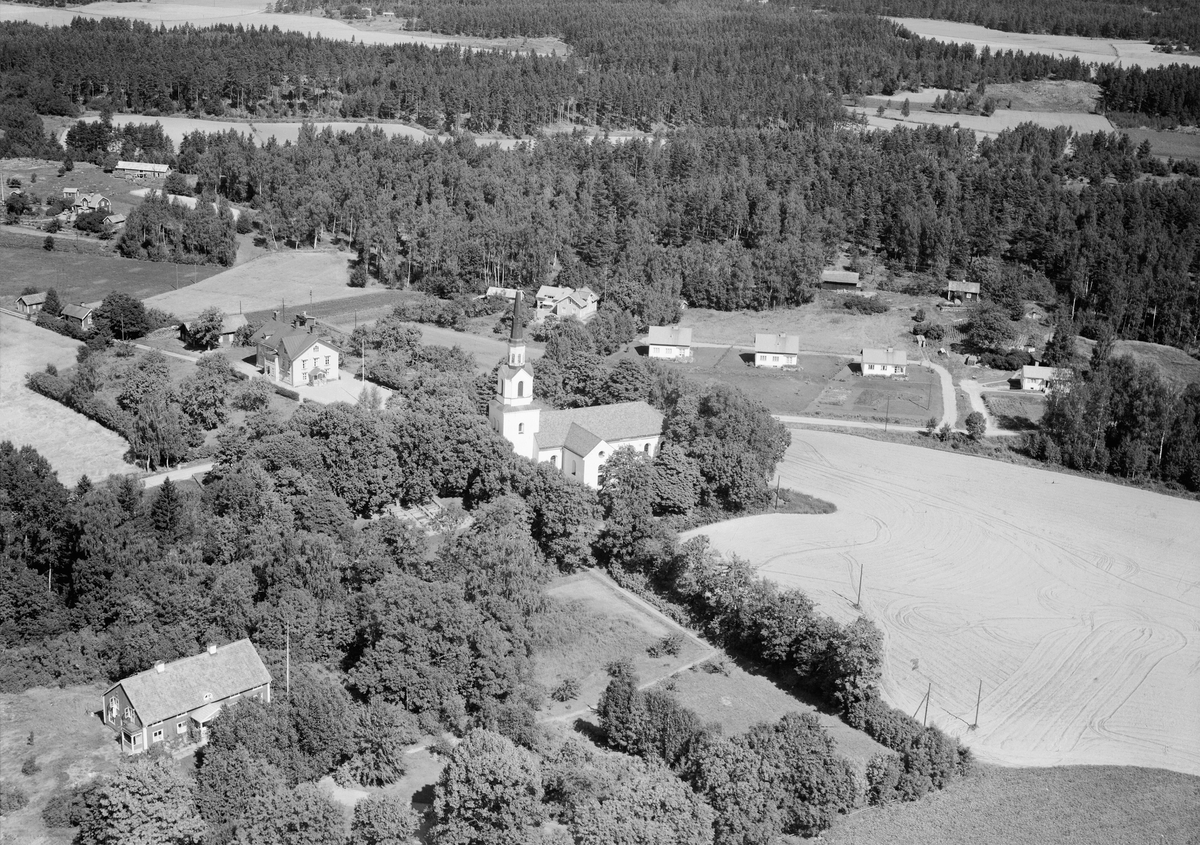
(578, 440)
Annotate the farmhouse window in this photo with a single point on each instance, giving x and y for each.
(112, 709)
(303, 363)
(128, 712)
(156, 736)
(775, 358)
(326, 360)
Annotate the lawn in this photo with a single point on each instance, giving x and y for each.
(782, 391)
(595, 623)
(70, 744)
(1076, 805)
(1017, 410)
(1172, 143)
(849, 396)
(88, 278)
(720, 691)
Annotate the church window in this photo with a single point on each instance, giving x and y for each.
(520, 428)
(574, 467)
(520, 388)
(646, 448)
(554, 461)
(601, 456)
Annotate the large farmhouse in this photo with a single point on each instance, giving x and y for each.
(566, 303)
(295, 354)
(175, 702)
(1045, 379)
(577, 441)
(140, 170)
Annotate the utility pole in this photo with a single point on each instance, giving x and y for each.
(887, 415)
(978, 698)
(858, 598)
(928, 695)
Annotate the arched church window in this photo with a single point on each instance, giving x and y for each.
(520, 388)
(520, 428)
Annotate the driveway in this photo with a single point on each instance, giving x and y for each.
(974, 391)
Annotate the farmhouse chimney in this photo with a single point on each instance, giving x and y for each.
(212, 648)
(160, 667)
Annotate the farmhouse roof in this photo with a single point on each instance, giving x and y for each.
(141, 165)
(670, 336)
(612, 423)
(777, 344)
(115, 219)
(32, 298)
(841, 277)
(583, 296)
(90, 199)
(554, 292)
(295, 345)
(79, 312)
(953, 286)
(232, 323)
(1046, 373)
(184, 684)
(890, 357)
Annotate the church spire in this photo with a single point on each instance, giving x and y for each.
(517, 334)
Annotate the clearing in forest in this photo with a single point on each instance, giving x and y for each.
(1074, 601)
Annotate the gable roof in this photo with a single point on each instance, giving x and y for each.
(79, 312)
(32, 298)
(1046, 373)
(295, 345)
(90, 199)
(115, 219)
(611, 423)
(554, 292)
(890, 357)
(670, 336)
(777, 344)
(581, 441)
(962, 287)
(140, 165)
(841, 277)
(182, 685)
(232, 323)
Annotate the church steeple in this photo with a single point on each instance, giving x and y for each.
(516, 337)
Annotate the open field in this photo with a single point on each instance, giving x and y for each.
(598, 623)
(1172, 143)
(73, 444)
(999, 121)
(70, 743)
(262, 131)
(1099, 50)
(783, 391)
(849, 396)
(1079, 805)
(1173, 363)
(821, 327)
(1074, 601)
(292, 278)
(249, 13)
(737, 700)
(88, 278)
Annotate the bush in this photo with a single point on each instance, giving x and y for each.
(30, 767)
(671, 645)
(254, 395)
(243, 224)
(936, 331)
(1014, 360)
(48, 244)
(287, 392)
(568, 689)
(865, 305)
(11, 799)
(54, 324)
(94, 408)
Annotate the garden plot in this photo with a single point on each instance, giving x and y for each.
(73, 444)
(1099, 50)
(910, 401)
(1074, 601)
(289, 280)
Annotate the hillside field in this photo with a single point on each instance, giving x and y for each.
(1073, 600)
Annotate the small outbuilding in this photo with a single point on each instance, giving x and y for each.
(79, 316)
(115, 220)
(963, 291)
(30, 304)
(884, 362)
(672, 343)
(843, 280)
(776, 350)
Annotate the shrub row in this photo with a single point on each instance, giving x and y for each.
(55, 324)
(1012, 360)
(91, 406)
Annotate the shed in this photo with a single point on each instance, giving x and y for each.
(846, 280)
(962, 291)
(79, 316)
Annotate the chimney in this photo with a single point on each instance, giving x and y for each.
(275, 315)
(212, 648)
(160, 667)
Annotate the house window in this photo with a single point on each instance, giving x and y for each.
(156, 736)
(775, 359)
(112, 709)
(303, 363)
(326, 360)
(181, 728)
(128, 713)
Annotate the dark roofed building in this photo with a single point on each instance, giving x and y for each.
(962, 291)
(175, 702)
(31, 303)
(80, 316)
(295, 354)
(840, 280)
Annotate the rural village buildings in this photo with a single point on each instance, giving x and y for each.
(295, 355)
(577, 441)
(175, 702)
(884, 362)
(140, 170)
(776, 350)
(565, 303)
(1045, 379)
(30, 304)
(844, 280)
(962, 291)
(79, 316)
(229, 329)
(672, 343)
